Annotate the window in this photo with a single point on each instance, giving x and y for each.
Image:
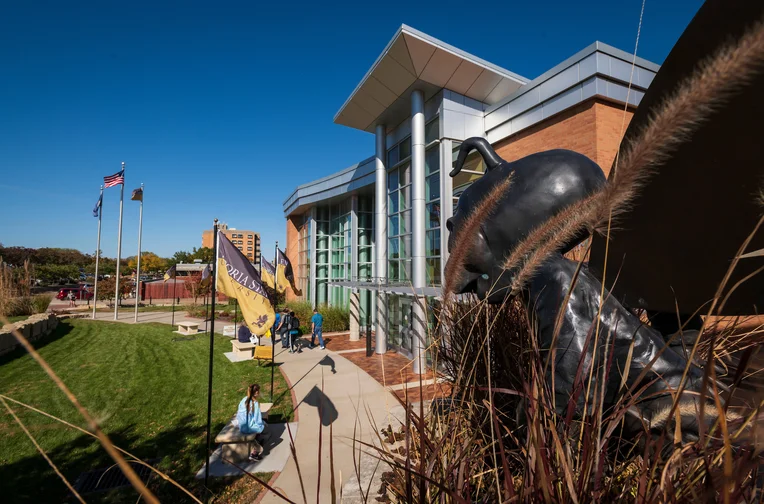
(249, 242)
(303, 260)
(333, 254)
(432, 215)
(399, 223)
(399, 152)
(431, 131)
(249, 236)
(249, 249)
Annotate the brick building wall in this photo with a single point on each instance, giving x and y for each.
(592, 128)
(292, 250)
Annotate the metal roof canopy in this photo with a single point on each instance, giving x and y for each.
(414, 60)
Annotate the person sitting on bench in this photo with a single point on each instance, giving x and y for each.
(250, 419)
(245, 335)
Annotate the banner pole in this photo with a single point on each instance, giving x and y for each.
(98, 254)
(119, 242)
(138, 273)
(212, 346)
(275, 303)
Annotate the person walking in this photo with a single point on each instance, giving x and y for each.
(317, 329)
(71, 297)
(283, 329)
(294, 334)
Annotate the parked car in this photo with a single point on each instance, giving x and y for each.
(78, 293)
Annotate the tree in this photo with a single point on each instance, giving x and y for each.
(181, 257)
(106, 289)
(51, 273)
(150, 262)
(195, 287)
(204, 253)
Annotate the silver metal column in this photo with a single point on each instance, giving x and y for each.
(418, 265)
(312, 280)
(380, 210)
(417, 190)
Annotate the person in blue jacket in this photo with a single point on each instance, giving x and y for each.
(250, 419)
(317, 323)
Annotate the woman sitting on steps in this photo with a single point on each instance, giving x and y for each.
(250, 419)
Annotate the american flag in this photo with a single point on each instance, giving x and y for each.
(116, 179)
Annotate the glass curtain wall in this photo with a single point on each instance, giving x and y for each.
(432, 173)
(333, 252)
(399, 213)
(340, 229)
(303, 273)
(365, 253)
(322, 254)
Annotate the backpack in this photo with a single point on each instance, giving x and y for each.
(294, 323)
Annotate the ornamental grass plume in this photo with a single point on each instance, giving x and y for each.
(465, 237)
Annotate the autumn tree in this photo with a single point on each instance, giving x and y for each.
(195, 286)
(150, 262)
(106, 289)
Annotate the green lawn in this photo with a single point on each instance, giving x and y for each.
(148, 392)
(17, 318)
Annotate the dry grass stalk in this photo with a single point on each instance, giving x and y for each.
(465, 236)
(534, 454)
(42, 452)
(709, 87)
(88, 433)
(102, 437)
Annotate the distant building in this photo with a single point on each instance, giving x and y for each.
(246, 241)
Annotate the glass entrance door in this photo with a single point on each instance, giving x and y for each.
(405, 326)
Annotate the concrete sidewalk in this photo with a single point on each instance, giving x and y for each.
(161, 317)
(328, 390)
(348, 398)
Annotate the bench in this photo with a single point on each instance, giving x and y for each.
(234, 445)
(264, 353)
(188, 327)
(241, 349)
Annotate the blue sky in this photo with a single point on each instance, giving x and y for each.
(222, 108)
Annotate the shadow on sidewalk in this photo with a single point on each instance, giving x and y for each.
(326, 409)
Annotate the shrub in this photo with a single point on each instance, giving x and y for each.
(19, 306)
(335, 318)
(40, 302)
(198, 311)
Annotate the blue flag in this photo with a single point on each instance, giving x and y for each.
(97, 208)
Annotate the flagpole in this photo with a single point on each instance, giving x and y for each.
(119, 243)
(174, 284)
(98, 253)
(275, 304)
(212, 346)
(138, 274)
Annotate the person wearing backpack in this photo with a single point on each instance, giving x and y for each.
(282, 328)
(294, 333)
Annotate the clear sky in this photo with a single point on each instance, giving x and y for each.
(222, 108)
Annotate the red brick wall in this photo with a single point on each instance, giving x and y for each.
(611, 124)
(292, 249)
(592, 128)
